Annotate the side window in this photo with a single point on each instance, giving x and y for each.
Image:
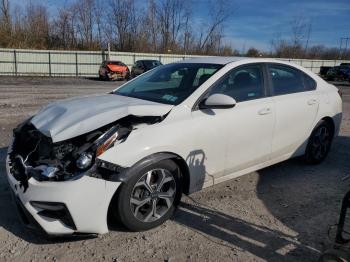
(286, 80)
(243, 84)
(309, 83)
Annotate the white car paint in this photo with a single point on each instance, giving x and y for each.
(185, 131)
(87, 199)
(217, 145)
(72, 117)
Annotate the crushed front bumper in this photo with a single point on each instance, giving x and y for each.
(117, 75)
(86, 199)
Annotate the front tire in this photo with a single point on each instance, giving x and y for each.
(319, 143)
(150, 197)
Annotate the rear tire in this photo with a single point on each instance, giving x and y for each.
(319, 143)
(150, 197)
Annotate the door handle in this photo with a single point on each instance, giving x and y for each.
(312, 102)
(265, 111)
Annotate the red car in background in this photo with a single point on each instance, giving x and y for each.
(113, 70)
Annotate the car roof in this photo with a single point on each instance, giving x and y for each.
(147, 60)
(223, 60)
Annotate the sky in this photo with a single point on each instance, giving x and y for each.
(254, 23)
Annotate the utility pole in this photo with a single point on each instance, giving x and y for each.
(109, 51)
(343, 48)
(308, 38)
(186, 40)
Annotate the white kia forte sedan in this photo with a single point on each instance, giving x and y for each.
(130, 154)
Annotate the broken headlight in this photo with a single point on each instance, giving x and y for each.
(85, 160)
(101, 145)
(35, 155)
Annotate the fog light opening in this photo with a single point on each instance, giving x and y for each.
(54, 210)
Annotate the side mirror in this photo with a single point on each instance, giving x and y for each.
(217, 101)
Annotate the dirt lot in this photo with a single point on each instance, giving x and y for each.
(281, 213)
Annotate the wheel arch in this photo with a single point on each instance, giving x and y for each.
(156, 157)
(326, 119)
(151, 159)
(331, 123)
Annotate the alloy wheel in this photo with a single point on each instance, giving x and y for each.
(153, 195)
(321, 142)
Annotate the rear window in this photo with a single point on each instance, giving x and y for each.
(309, 83)
(287, 80)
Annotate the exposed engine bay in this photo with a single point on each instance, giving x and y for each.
(35, 155)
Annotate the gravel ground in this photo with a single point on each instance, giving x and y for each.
(280, 213)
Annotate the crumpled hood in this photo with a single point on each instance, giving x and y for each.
(117, 68)
(73, 117)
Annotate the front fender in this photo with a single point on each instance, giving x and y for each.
(141, 144)
(126, 173)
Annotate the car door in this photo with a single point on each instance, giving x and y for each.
(207, 127)
(296, 105)
(246, 129)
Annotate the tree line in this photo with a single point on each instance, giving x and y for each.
(156, 26)
(153, 26)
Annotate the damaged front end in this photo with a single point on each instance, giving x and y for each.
(35, 155)
(117, 72)
(117, 75)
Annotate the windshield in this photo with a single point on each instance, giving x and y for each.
(169, 84)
